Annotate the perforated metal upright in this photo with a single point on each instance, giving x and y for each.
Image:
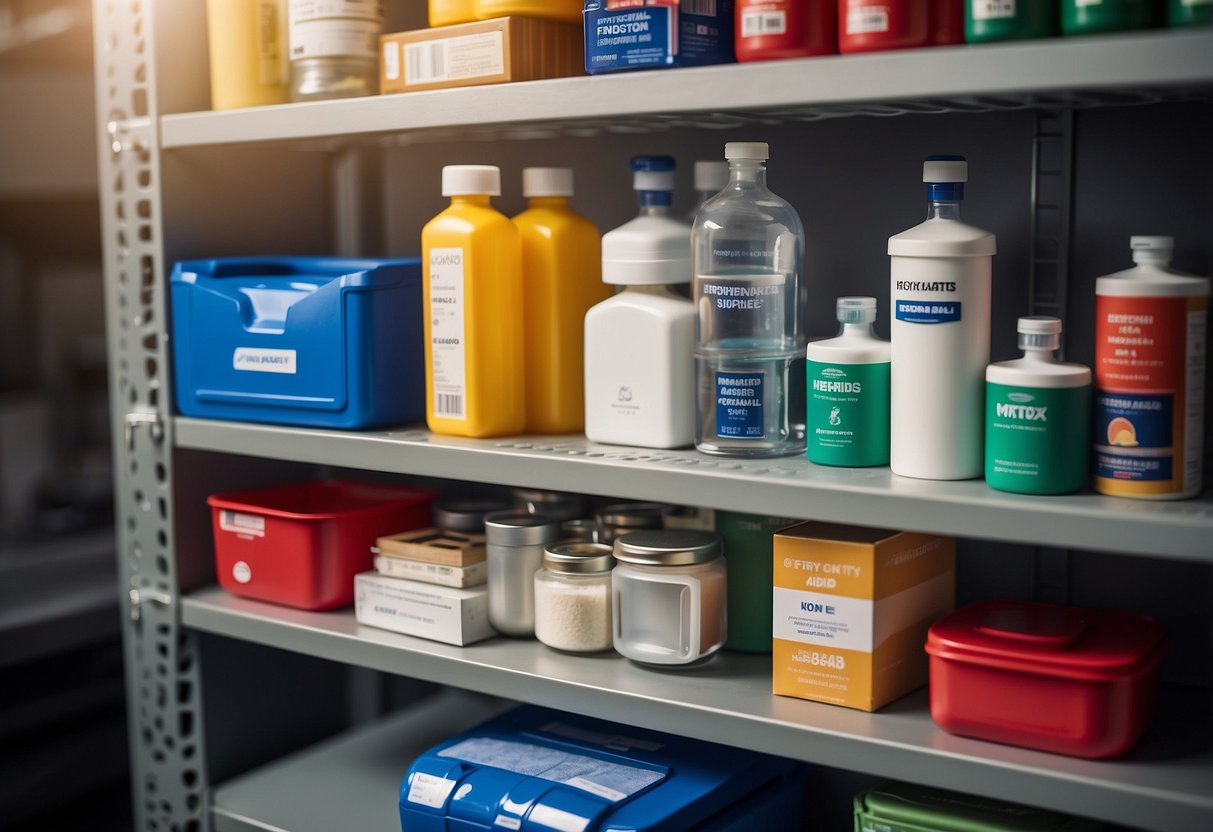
(162, 675)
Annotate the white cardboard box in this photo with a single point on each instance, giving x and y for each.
(448, 614)
(432, 573)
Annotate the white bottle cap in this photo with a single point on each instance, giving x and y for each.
(945, 170)
(547, 182)
(653, 180)
(1151, 249)
(1039, 332)
(754, 151)
(464, 180)
(711, 176)
(856, 310)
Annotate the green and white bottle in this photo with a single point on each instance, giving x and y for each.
(848, 391)
(1038, 416)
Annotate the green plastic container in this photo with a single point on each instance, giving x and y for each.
(991, 20)
(1189, 13)
(903, 807)
(747, 551)
(1091, 17)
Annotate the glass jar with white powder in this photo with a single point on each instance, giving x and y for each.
(573, 597)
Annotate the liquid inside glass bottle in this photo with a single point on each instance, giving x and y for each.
(748, 247)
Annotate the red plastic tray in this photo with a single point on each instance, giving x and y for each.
(302, 544)
(1069, 680)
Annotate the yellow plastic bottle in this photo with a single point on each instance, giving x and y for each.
(474, 361)
(449, 12)
(248, 53)
(566, 11)
(562, 279)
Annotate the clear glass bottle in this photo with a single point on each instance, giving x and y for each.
(748, 250)
(573, 597)
(334, 48)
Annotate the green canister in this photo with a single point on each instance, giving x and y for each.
(748, 542)
(902, 807)
(1091, 17)
(848, 391)
(990, 20)
(1189, 12)
(1038, 416)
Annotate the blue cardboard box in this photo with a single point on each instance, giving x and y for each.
(650, 34)
(314, 341)
(537, 770)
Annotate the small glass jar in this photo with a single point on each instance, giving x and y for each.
(514, 543)
(554, 504)
(669, 596)
(573, 597)
(625, 518)
(465, 516)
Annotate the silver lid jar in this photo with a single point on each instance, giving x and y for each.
(573, 597)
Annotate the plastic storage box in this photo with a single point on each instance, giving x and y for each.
(902, 807)
(313, 341)
(1063, 679)
(302, 544)
(537, 770)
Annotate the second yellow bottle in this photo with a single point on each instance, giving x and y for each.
(474, 360)
(562, 279)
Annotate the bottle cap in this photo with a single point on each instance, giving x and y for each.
(711, 176)
(463, 180)
(1151, 249)
(1039, 332)
(653, 173)
(753, 151)
(578, 558)
(547, 182)
(856, 310)
(945, 177)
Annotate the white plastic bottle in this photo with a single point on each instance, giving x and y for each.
(639, 365)
(940, 279)
(711, 177)
(848, 391)
(1150, 345)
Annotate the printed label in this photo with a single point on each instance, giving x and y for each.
(823, 620)
(992, 9)
(391, 61)
(557, 819)
(328, 28)
(428, 790)
(256, 360)
(928, 311)
(507, 822)
(252, 525)
(1036, 438)
(759, 293)
(448, 357)
(757, 22)
(867, 19)
(848, 416)
(636, 37)
(453, 59)
(739, 406)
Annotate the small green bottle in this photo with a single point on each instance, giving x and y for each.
(991, 20)
(1038, 416)
(848, 391)
(1090, 17)
(1189, 13)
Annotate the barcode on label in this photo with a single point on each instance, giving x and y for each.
(448, 404)
(425, 62)
(707, 7)
(754, 24)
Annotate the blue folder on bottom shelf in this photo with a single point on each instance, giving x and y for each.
(539, 770)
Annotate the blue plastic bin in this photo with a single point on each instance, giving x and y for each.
(315, 341)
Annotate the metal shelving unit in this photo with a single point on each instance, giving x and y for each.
(1163, 785)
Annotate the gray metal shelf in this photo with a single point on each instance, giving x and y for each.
(1074, 71)
(1162, 785)
(787, 487)
(349, 782)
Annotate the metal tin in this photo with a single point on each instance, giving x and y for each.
(514, 552)
(578, 558)
(624, 518)
(465, 515)
(518, 528)
(555, 504)
(668, 548)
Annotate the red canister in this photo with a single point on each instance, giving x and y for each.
(1069, 680)
(870, 25)
(767, 30)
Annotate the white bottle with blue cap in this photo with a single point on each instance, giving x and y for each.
(941, 287)
(639, 364)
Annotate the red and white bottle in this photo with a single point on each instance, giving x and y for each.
(771, 30)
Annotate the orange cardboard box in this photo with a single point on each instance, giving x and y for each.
(852, 606)
(484, 52)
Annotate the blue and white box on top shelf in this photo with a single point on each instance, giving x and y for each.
(651, 34)
(313, 341)
(536, 770)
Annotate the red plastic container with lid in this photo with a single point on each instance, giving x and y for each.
(1069, 680)
(767, 30)
(873, 25)
(301, 544)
